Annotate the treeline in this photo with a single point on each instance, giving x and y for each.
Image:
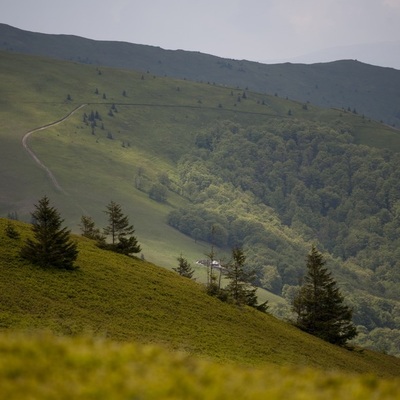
(313, 179)
(319, 182)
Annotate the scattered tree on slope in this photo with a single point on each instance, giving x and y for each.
(122, 239)
(52, 246)
(240, 289)
(319, 304)
(184, 268)
(89, 230)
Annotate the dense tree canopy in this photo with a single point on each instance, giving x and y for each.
(317, 181)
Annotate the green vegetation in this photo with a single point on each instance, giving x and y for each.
(347, 84)
(184, 268)
(126, 299)
(52, 245)
(319, 305)
(253, 183)
(48, 367)
(122, 239)
(264, 180)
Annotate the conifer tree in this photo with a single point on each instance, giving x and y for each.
(319, 305)
(11, 232)
(89, 229)
(240, 288)
(121, 232)
(184, 268)
(52, 245)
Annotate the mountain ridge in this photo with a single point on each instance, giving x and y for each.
(370, 90)
(382, 54)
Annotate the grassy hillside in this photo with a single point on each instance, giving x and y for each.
(373, 91)
(149, 131)
(118, 298)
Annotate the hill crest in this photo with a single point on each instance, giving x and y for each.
(370, 90)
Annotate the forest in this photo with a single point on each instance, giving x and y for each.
(314, 179)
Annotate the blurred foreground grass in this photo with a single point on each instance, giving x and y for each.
(44, 366)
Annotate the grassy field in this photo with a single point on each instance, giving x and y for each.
(119, 327)
(124, 299)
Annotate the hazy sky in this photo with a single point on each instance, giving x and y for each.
(241, 29)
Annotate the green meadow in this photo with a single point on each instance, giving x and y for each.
(120, 327)
(122, 320)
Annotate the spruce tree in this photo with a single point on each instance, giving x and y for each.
(240, 288)
(319, 305)
(52, 245)
(120, 231)
(184, 268)
(89, 230)
(11, 232)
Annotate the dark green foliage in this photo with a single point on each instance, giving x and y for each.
(158, 192)
(240, 289)
(122, 239)
(89, 229)
(52, 245)
(318, 181)
(239, 284)
(11, 232)
(184, 268)
(319, 304)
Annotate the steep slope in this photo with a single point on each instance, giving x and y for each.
(255, 169)
(373, 91)
(126, 299)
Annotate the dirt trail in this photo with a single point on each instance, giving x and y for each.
(35, 157)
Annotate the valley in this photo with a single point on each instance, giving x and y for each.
(195, 165)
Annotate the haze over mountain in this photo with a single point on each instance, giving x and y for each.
(383, 54)
(368, 90)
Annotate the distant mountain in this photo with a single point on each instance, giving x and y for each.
(384, 54)
(366, 89)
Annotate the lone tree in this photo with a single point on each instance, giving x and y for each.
(319, 304)
(240, 289)
(184, 268)
(52, 246)
(121, 232)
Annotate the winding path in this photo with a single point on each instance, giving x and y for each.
(35, 157)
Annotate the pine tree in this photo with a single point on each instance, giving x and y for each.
(121, 232)
(11, 232)
(52, 246)
(184, 268)
(319, 305)
(89, 229)
(240, 288)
